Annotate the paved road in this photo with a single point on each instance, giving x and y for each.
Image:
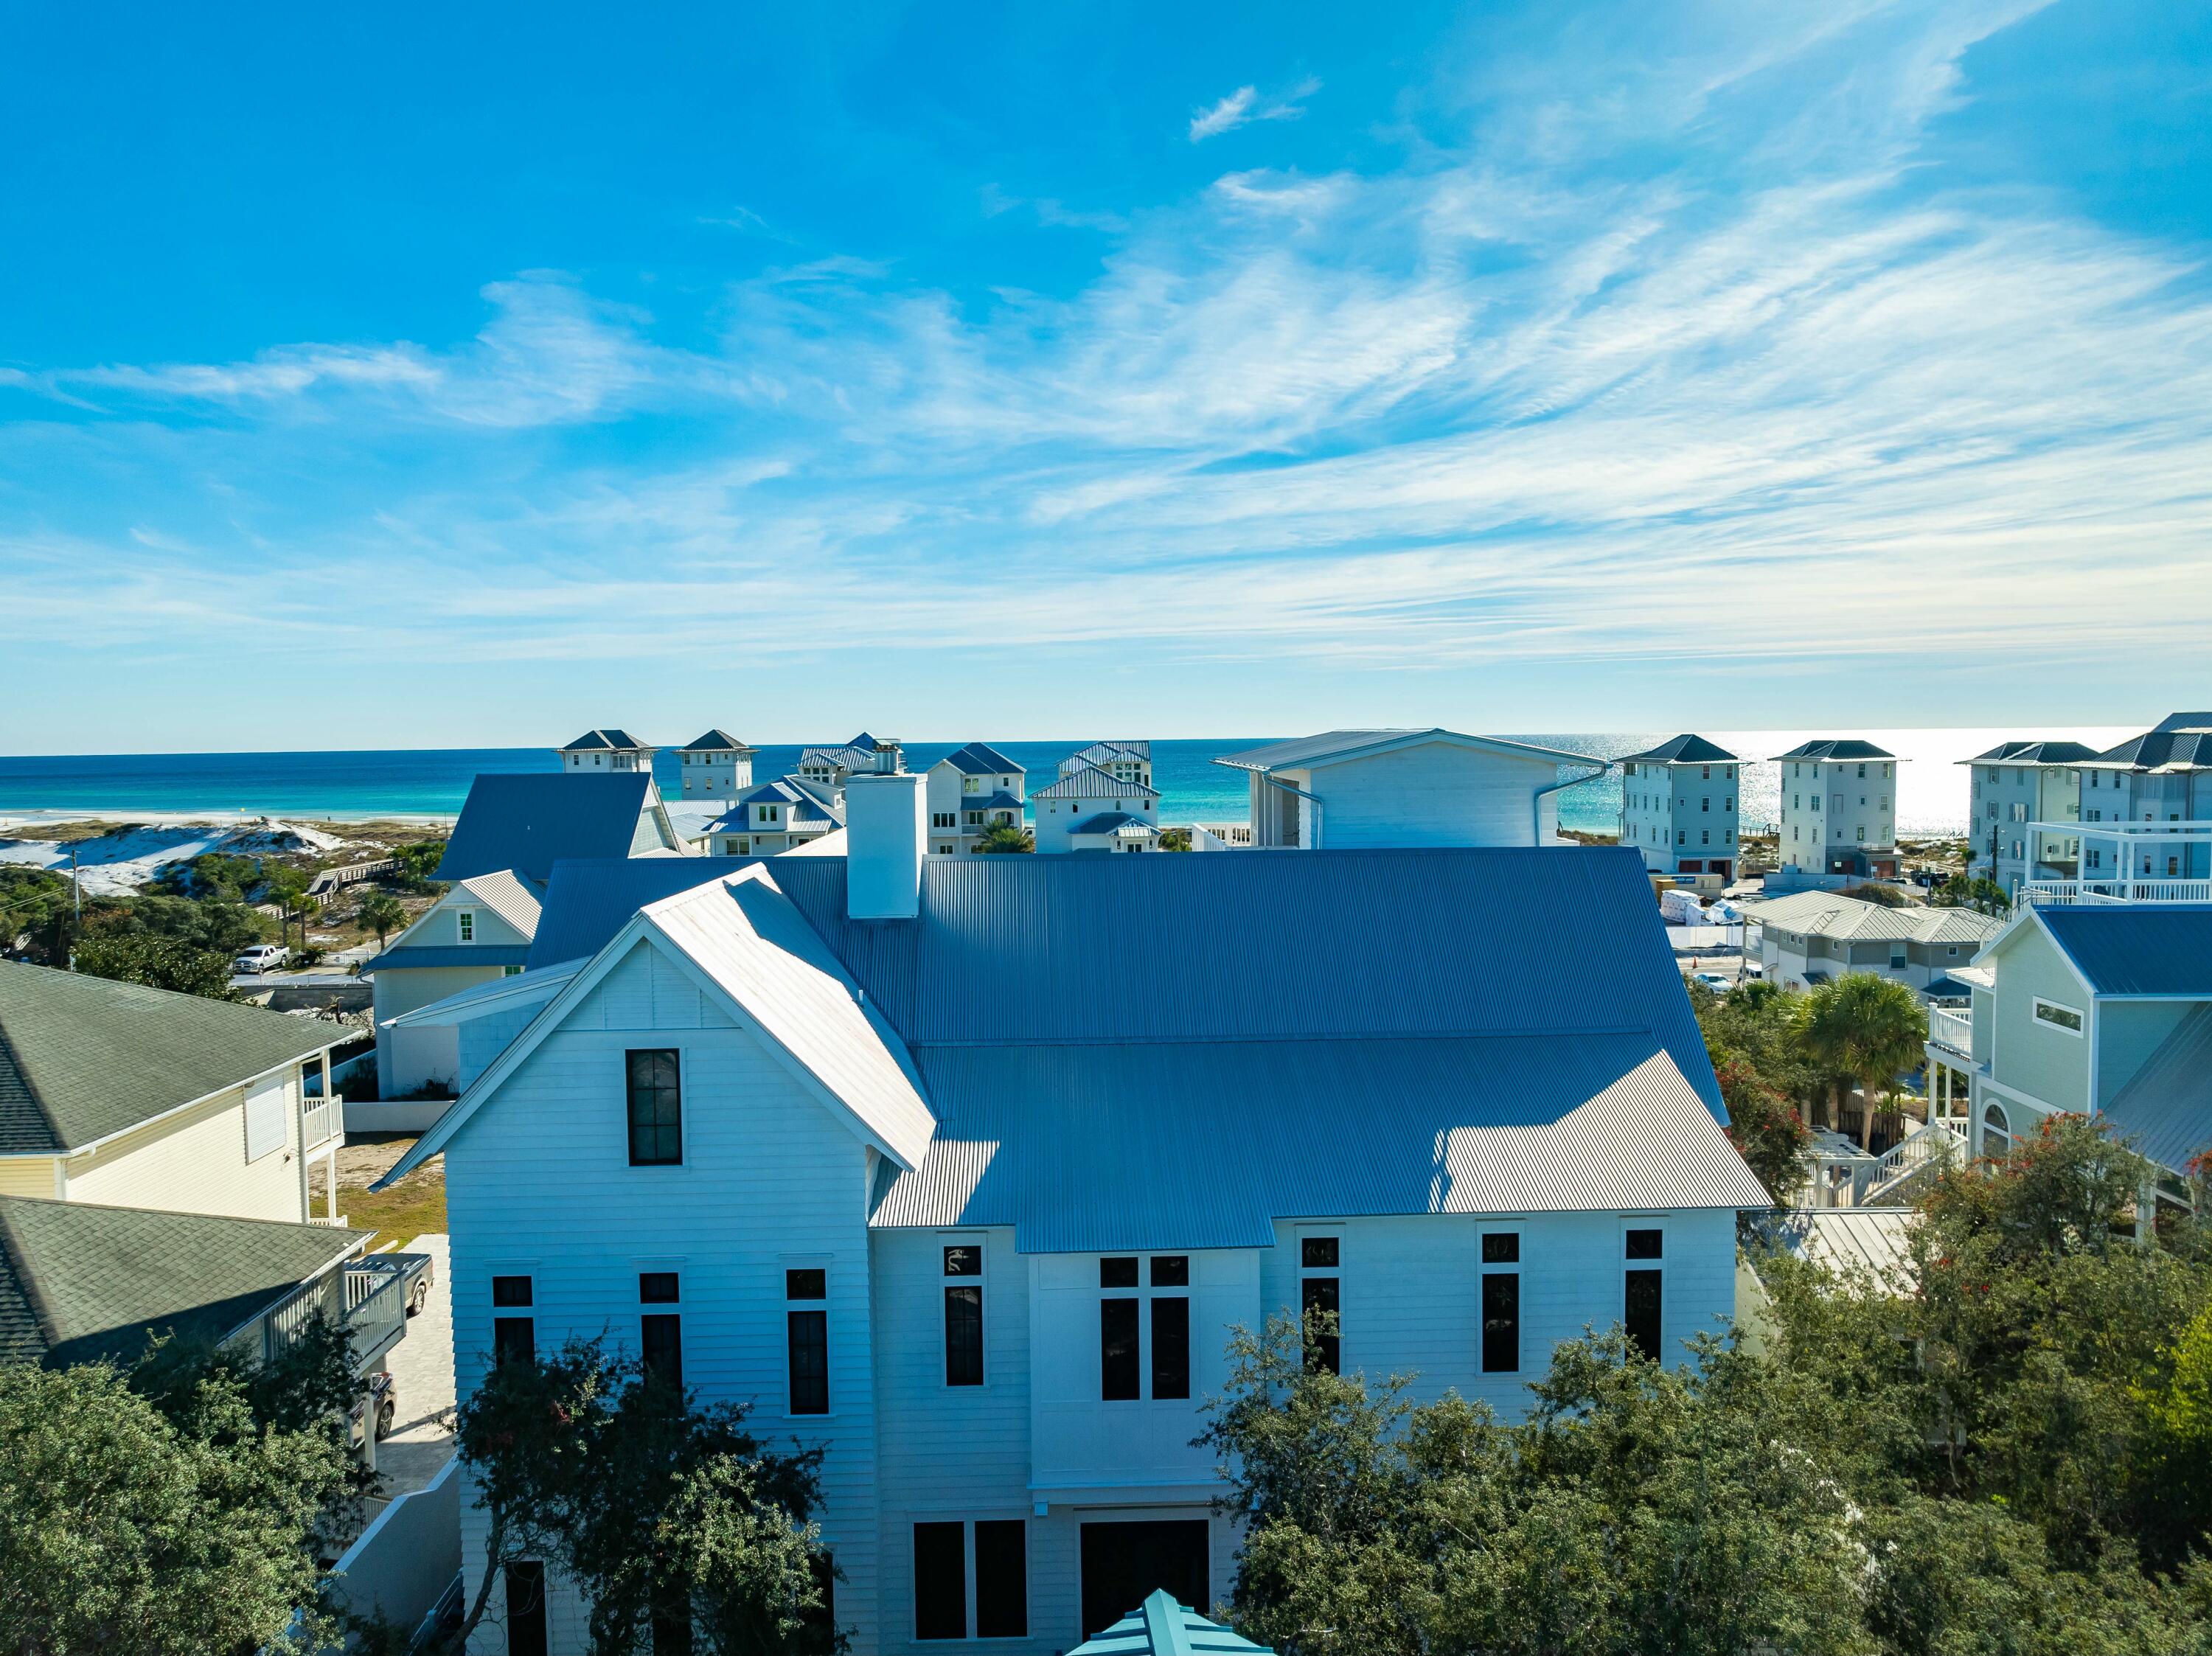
(422, 1438)
(295, 981)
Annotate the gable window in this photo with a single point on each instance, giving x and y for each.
(514, 1338)
(1641, 1299)
(656, 1108)
(465, 921)
(2050, 1013)
(807, 1341)
(1501, 1303)
(964, 1315)
(1319, 1297)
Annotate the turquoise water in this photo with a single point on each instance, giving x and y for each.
(433, 782)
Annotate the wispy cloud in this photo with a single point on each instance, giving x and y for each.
(1245, 104)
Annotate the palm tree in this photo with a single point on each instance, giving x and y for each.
(1865, 1027)
(380, 912)
(1002, 837)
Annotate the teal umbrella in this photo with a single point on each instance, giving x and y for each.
(1161, 1627)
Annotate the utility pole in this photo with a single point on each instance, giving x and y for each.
(76, 906)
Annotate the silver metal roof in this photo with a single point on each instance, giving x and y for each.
(1302, 752)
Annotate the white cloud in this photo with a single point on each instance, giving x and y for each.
(1245, 106)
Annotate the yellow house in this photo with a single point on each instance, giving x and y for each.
(126, 1096)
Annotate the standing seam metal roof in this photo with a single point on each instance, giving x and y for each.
(980, 759)
(2165, 1107)
(2138, 949)
(1300, 752)
(1682, 750)
(527, 823)
(1835, 748)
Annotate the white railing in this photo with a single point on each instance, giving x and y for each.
(322, 1121)
(1938, 1143)
(376, 1306)
(2140, 889)
(281, 1327)
(1950, 1030)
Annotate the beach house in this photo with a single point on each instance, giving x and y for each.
(116, 1093)
(2013, 790)
(1812, 937)
(1406, 787)
(1102, 800)
(777, 815)
(716, 766)
(600, 751)
(1840, 808)
(972, 790)
(1678, 807)
(985, 1245)
(2095, 1008)
(828, 768)
(2144, 824)
(479, 930)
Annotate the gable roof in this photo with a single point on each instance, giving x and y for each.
(2166, 1107)
(1830, 914)
(80, 1282)
(1190, 1042)
(1681, 750)
(1085, 780)
(82, 1058)
(855, 754)
(980, 759)
(1113, 821)
(1161, 1627)
(716, 739)
(2035, 753)
(808, 802)
(602, 740)
(1301, 753)
(1834, 748)
(2135, 948)
(526, 822)
(1105, 753)
(588, 900)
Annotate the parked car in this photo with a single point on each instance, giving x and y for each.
(260, 958)
(1716, 982)
(421, 1270)
(380, 1403)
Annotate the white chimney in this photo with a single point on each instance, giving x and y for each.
(886, 832)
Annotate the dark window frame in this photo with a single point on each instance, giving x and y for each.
(964, 1335)
(660, 1347)
(1121, 1367)
(1002, 1583)
(1321, 1288)
(806, 1349)
(656, 1141)
(940, 1580)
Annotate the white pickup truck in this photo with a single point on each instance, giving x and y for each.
(259, 958)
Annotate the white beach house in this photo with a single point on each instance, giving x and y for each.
(964, 1168)
(1679, 807)
(1840, 808)
(973, 790)
(605, 750)
(716, 766)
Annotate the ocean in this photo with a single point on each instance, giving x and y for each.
(342, 786)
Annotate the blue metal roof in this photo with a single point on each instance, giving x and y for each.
(1161, 1627)
(2165, 1107)
(1681, 750)
(980, 759)
(2137, 949)
(463, 954)
(529, 822)
(588, 900)
(1107, 820)
(1835, 748)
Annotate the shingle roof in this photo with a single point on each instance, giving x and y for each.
(1833, 747)
(2137, 949)
(717, 740)
(80, 1282)
(2035, 753)
(979, 759)
(602, 740)
(1087, 781)
(2165, 1107)
(1300, 752)
(1682, 750)
(1830, 915)
(82, 1057)
(528, 823)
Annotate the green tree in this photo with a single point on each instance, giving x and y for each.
(1981, 894)
(1765, 1128)
(1005, 837)
(157, 963)
(380, 911)
(124, 1532)
(654, 1505)
(418, 862)
(1175, 838)
(1882, 896)
(1866, 1028)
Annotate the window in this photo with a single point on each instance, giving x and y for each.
(1897, 959)
(1170, 1346)
(656, 1109)
(660, 1334)
(465, 921)
(265, 1113)
(1117, 1349)
(943, 819)
(807, 1342)
(964, 1315)
(1501, 1304)
(1996, 1133)
(940, 1580)
(1641, 1301)
(512, 1338)
(1705, 804)
(1318, 1297)
(2056, 1016)
(526, 1608)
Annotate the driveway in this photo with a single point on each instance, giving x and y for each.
(422, 1438)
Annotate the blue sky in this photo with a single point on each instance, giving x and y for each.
(461, 376)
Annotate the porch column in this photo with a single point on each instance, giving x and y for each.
(2147, 1211)
(331, 1186)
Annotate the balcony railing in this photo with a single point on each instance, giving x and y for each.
(1952, 1030)
(2142, 888)
(322, 1121)
(376, 1307)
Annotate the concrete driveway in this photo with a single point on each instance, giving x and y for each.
(422, 1438)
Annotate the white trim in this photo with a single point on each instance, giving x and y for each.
(1413, 739)
(2078, 1029)
(91, 1145)
(484, 997)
